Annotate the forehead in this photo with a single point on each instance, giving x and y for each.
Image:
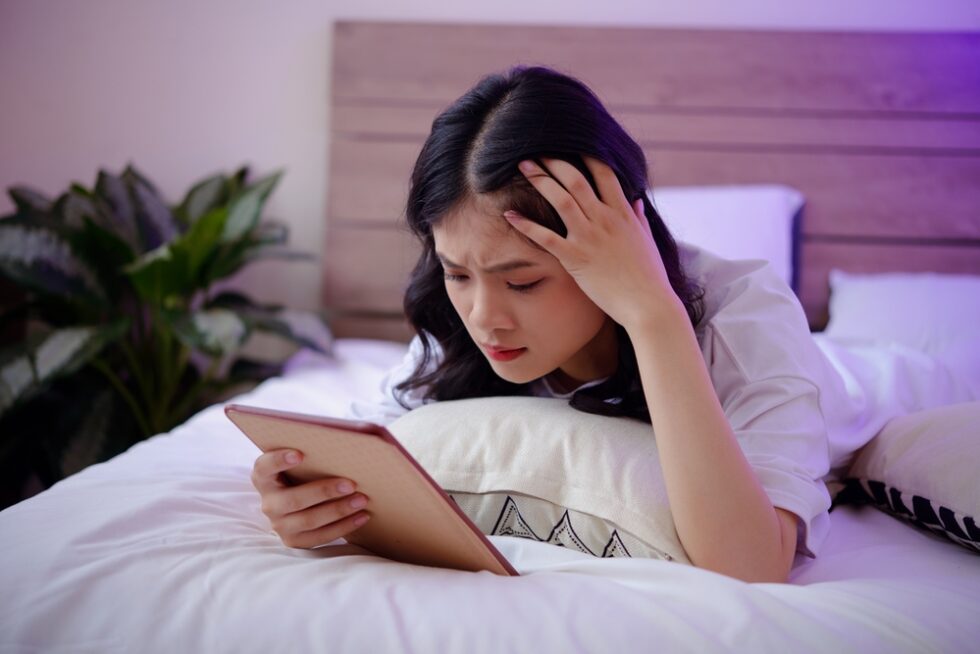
(478, 232)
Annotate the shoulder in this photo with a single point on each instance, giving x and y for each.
(750, 313)
(754, 335)
(744, 289)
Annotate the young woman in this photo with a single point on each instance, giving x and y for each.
(546, 270)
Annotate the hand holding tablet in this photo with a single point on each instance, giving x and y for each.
(311, 514)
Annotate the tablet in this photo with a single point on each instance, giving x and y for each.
(412, 518)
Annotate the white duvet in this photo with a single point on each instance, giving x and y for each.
(164, 549)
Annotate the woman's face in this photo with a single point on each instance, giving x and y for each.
(523, 310)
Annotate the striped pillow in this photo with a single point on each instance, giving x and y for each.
(923, 468)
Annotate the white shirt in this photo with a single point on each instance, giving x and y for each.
(776, 387)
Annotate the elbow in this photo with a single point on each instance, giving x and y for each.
(770, 571)
(768, 560)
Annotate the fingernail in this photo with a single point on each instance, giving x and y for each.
(345, 487)
(361, 519)
(526, 166)
(292, 458)
(358, 502)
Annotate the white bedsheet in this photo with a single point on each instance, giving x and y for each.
(165, 549)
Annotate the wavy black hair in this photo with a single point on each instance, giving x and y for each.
(472, 152)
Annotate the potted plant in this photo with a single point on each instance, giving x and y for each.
(126, 332)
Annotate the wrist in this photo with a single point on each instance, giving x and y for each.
(657, 315)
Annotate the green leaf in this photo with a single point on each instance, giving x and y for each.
(41, 259)
(242, 304)
(227, 259)
(72, 207)
(28, 367)
(216, 331)
(105, 250)
(29, 201)
(304, 328)
(244, 209)
(153, 217)
(203, 197)
(236, 182)
(201, 242)
(99, 212)
(179, 268)
(161, 274)
(113, 192)
(17, 380)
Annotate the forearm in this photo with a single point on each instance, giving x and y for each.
(723, 516)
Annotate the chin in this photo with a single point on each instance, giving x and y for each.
(517, 376)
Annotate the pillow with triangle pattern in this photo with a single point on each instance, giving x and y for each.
(537, 468)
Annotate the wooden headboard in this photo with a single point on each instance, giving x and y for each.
(880, 132)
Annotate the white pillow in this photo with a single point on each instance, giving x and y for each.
(938, 314)
(537, 468)
(736, 222)
(922, 467)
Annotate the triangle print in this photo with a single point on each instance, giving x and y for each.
(615, 547)
(564, 535)
(512, 523)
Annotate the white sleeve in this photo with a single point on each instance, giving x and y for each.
(768, 374)
(384, 407)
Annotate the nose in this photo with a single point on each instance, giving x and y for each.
(490, 312)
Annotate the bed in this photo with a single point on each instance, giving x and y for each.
(860, 150)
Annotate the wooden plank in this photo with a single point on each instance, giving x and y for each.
(759, 130)
(847, 195)
(387, 328)
(783, 70)
(856, 195)
(818, 258)
(879, 131)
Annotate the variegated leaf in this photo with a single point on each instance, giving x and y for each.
(244, 210)
(216, 332)
(42, 260)
(156, 223)
(203, 197)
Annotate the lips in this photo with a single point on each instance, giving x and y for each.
(503, 353)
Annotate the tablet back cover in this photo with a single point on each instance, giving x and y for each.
(412, 519)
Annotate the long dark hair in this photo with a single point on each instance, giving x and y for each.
(473, 149)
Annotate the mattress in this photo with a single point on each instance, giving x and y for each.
(165, 548)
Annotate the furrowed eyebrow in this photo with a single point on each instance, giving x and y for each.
(504, 266)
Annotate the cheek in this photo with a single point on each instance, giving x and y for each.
(456, 299)
(568, 311)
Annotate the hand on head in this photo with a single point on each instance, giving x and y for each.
(609, 249)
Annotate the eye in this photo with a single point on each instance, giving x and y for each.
(454, 278)
(523, 288)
